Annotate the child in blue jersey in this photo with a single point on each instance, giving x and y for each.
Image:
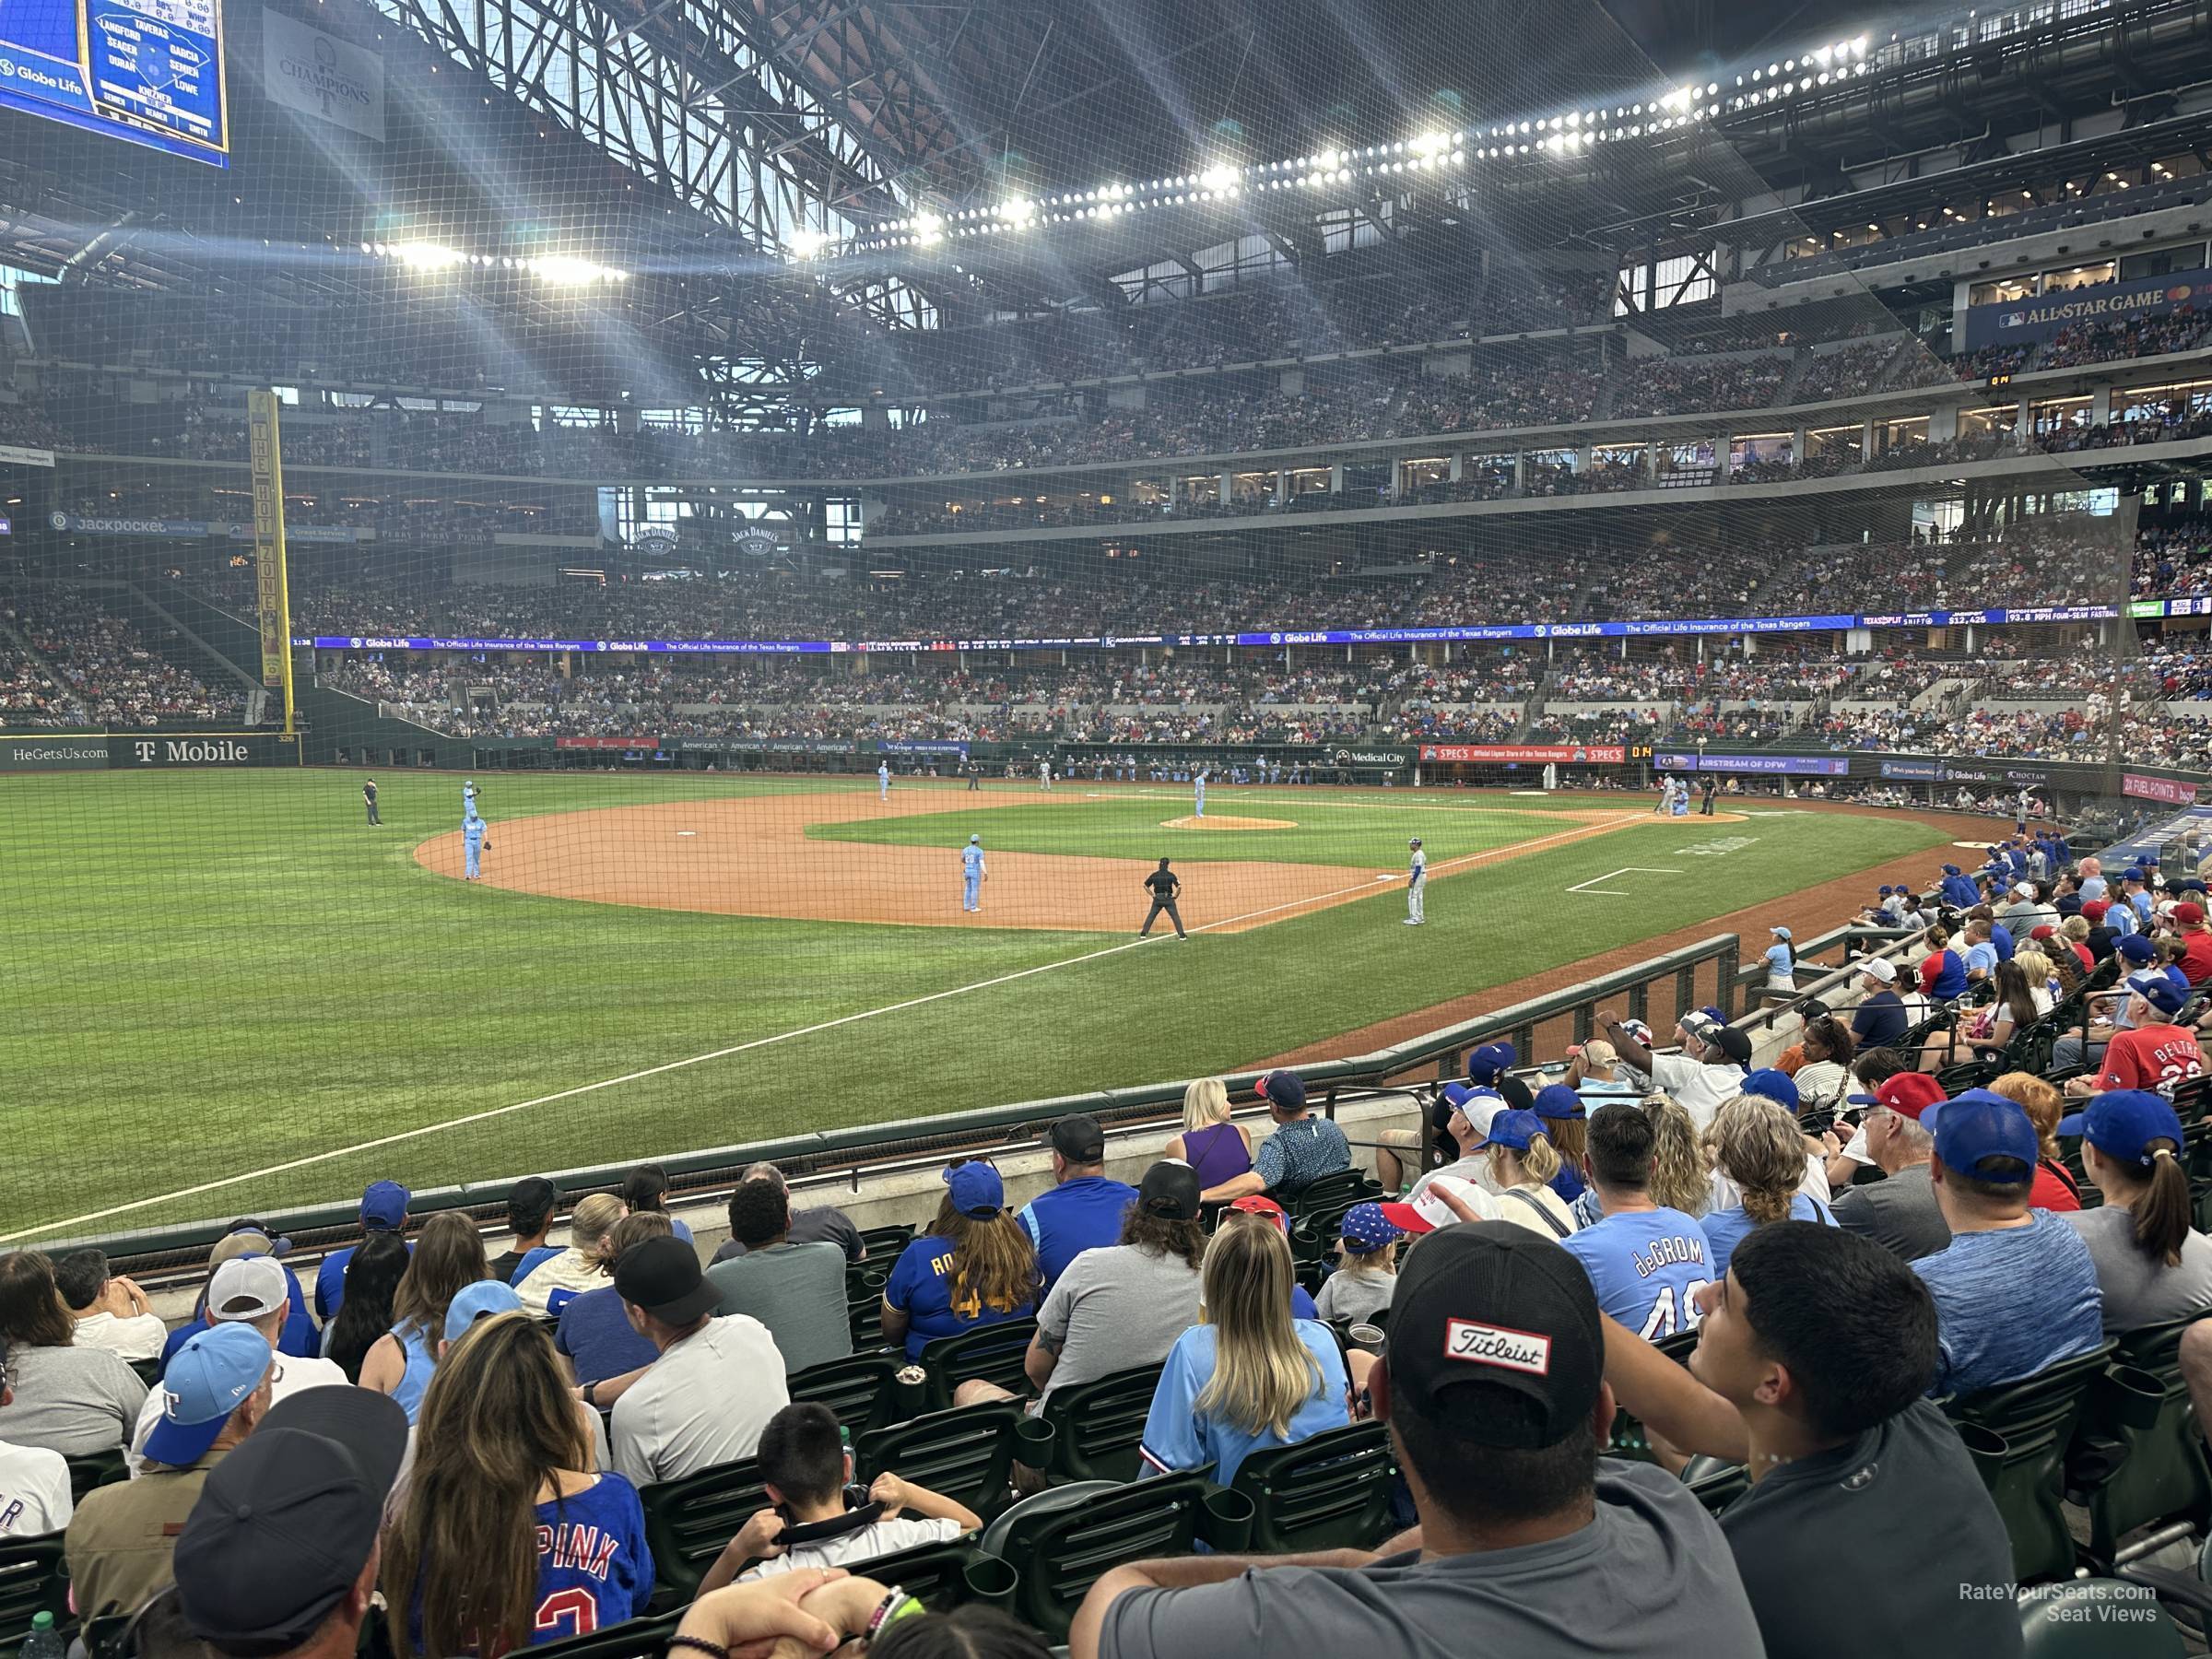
(975, 1265)
(1647, 1262)
(1288, 1381)
(501, 1452)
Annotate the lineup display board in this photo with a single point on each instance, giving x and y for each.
(149, 71)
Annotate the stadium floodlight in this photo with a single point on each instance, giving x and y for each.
(806, 242)
(1219, 178)
(568, 270)
(425, 257)
(928, 229)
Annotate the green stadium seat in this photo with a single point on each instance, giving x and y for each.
(992, 1352)
(688, 1522)
(34, 1579)
(1059, 1543)
(2026, 1428)
(1714, 1482)
(1344, 1189)
(863, 1389)
(967, 1453)
(2072, 1621)
(945, 1576)
(93, 1469)
(1098, 1425)
(864, 1316)
(1331, 1491)
(632, 1639)
(1629, 1439)
(884, 1244)
(2138, 1458)
(863, 1279)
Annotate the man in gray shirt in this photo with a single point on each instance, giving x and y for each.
(1529, 1543)
(1901, 1213)
(826, 1225)
(797, 1290)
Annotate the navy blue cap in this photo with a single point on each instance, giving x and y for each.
(2135, 946)
(1486, 1062)
(1555, 1100)
(2159, 991)
(1285, 1089)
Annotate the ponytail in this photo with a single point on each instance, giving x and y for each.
(2163, 1214)
(1541, 1161)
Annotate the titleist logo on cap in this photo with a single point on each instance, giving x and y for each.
(1498, 1345)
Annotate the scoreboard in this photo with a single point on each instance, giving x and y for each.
(149, 71)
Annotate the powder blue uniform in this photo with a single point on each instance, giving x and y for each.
(883, 780)
(972, 878)
(1647, 1267)
(468, 797)
(1200, 811)
(472, 843)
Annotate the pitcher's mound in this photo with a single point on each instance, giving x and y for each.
(1223, 821)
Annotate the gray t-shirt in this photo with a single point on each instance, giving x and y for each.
(1114, 1309)
(824, 1225)
(71, 1400)
(1650, 1575)
(798, 1292)
(2138, 1291)
(1348, 1295)
(1900, 1214)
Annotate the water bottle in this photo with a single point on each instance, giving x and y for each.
(44, 1641)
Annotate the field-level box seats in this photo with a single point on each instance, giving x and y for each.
(1331, 1491)
(2018, 1435)
(1098, 1426)
(2138, 1459)
(863, 1390)
(967, 1455)
(689, 1519)
(994, 1353)
(34, 1579)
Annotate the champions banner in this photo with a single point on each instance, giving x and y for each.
(1570, 754)
(2022, 321)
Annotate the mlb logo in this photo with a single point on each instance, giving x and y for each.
(2013, 320)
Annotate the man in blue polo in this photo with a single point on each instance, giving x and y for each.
(1081, 1210)
(383, 1209)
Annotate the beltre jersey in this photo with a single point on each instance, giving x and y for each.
(1647, 1267)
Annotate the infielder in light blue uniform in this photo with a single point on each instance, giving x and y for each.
(469, 798)
(971, 874)
(473, 830)
(1200, 811)
(883, 780)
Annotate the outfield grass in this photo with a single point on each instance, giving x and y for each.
(207, 974)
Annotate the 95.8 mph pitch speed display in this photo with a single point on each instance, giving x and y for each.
(149, 71)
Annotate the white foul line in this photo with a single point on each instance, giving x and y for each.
(722, 1053)
(1592, 887)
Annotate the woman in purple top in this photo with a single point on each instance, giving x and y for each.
(1218, 1149)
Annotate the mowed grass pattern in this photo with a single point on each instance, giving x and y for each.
(212, 974)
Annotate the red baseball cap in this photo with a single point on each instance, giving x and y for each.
(1910, 1093)
(2189, 912)
(2096, 909)
(1255, 1204)
(2044, 932)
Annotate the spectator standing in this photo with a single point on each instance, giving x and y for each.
(797, 1290)
(1899, 1212)
(121, 1538)
(1081, 1209)
(685, 1414)
(819, 1226)
(34, 1480)
(383, 1209)
(2016, 1289)
(594, 1335)
(505, 1537)
(2152, 1264)
(2055, 1187)
(1757, 1146)
(1302, 1149)
(374, 1275)
(1645, 1260)
(67, 1399)
(111, 1312)
(1528, 1543)
(974, 1267)
(531, 1204)
(546, 1284)
(1211, 1143)
(1367, 1272)
(449, 1257)
(1249, 1376)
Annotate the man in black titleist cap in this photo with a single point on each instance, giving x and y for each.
(1529, 1543)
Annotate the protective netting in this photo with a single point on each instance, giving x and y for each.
(1278, 439)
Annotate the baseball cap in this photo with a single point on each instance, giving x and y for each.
(2026, 890)
(1429, 1212)
(2043, 931)
(975, 841)
(1365, 1229)
(1771, 1084)
(2096, 910)
(1558, 1102)
(1480, 1107)
(1169, 1189)
(2135, 946)
(1283, 1090)
(1078, 1138)
(2159, 991)
(1255, 1204)
(1974, 1127)
(1494, 1337)
(1950, 869)
(2121, 1123)
(661, 1277)
(2132, 873)
(1415, 841)
(1780, 932)
(2189, 912)
(1878, 967)
(1516, 1129)
(479, 1300)
(1887, 890)
(217, 1368)
(1733, 1043)
(385, 1205)
(977, 1191)
(1637, 1029)
(247, 1287)
(245, 1241)
(1492, 1058)
(1908, 1094)
(287, 1521)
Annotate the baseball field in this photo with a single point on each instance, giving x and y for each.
(225, 992)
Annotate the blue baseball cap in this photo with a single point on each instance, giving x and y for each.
(1771, 1084)
(1365, 1229)
(1284, 1089)
(1557, 1101)
(1516, 1129)
(479, 1300)
(2124, 1122)
(1887, 890)
(385, 1206)
(1486, 1062)
(1978, 1125)
(2132, 873)
(975, 841)
(977, 1192)
(1780, 932)
(215, 1371)
(2159, 991)
(2135, 946)
(1950, 869)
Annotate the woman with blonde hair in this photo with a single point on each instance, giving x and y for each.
(2043, 977)
(976, 1265)
(1680, 1179)
(1248, 1377)
(547, 1285)
(594, 1337)
(1757, 1145)
(1523, 1164)
(449, 1257)
(2055, 1188)
(503, 1536)
(1217, 1149)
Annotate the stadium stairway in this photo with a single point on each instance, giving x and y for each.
(183, 644)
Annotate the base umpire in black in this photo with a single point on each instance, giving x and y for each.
(1163, 885)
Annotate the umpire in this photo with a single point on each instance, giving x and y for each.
(1163, 884)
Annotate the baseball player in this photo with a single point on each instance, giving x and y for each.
(1163, 885)
(1666, 795)
(368, 794)
(1044, 775)
(1199, 811)
(2019, 812)
(883, 780)
(472, 844)
(1416, 884)
(974, 776)
(468, 797)
(1679, 806)
(972, 873)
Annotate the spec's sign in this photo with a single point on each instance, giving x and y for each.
(1570, 754)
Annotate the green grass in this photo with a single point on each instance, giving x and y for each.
(211, 973)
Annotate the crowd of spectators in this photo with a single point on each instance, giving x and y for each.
(103, 670)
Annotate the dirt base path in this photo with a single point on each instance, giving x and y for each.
(753, 857)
